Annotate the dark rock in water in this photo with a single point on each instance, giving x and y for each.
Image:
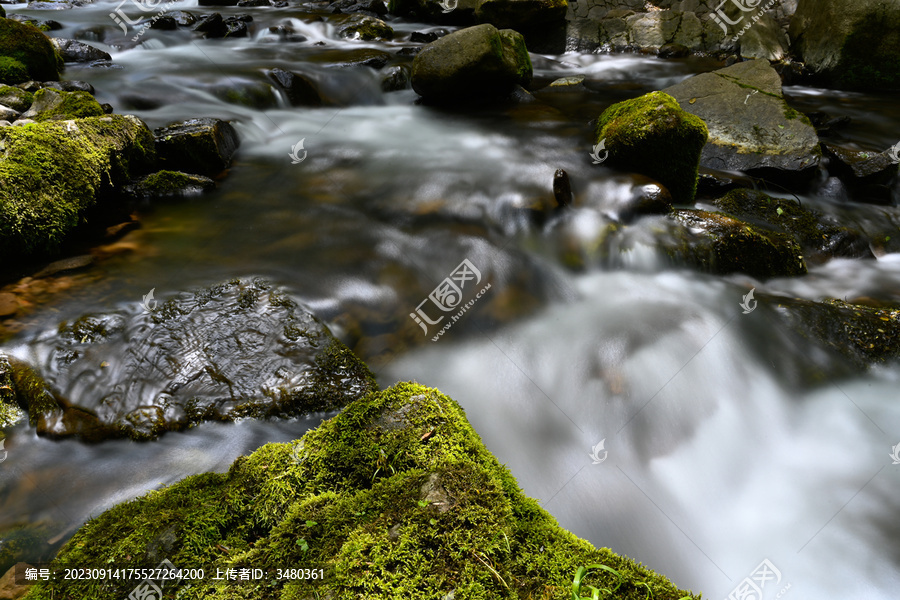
(409, 51)
(718, 243)
(235, 350)
(751, 127)
(67, 264)
(15, 98)
(653, 136)
(395, 78)
(249, 93)
(562, 188)
(673, 51)
(646, 199)
(237, 27)
(217, 2)
(169, 185)
(362, 57)
(473, 64)
(212, 26)
(825, 124)
(867, 173)
(287, 33)
(182, 17)
(204, 146)
(300, 89)
(422, 38)
(819, 237)
(253, 3)
(78, 52)
(165, 23)
(71, 86)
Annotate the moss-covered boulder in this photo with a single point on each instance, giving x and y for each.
(721, 244)
(10, 411)
(751, 127)
(652, 135)
(51, 173)
(12, 71)
(396, 497)
(203, 146)
(235, 350)
(28, 45)
(820, 238)
(169, 185)
(854, 45)
(15, 98)
(55, 105)
(475, 63)
(365, 27)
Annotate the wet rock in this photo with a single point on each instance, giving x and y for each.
(236, 27)
(70, 86)
(164, 23)
(853, 45)
(212, 26)
(203, 146)
(9, 305)
(819, 237)
(301, 90)
(867, 173)
(476, 63)
(653, 136)
(673, 51)
(395, 78)
(78, 52)
(235, 350)
(524, 16)
(182, 17)
(253, 3)
(562, 188)
(362, 57)
(79, 159)
(169, 185)
(54, 105)
(73, 263)
(751, 127)
(422, 37)
(8, 114)
(243, 92)
(362, 27)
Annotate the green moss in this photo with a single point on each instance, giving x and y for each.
(51, 172)
(396, 497)
(368, 28)
(65, 105)
(24, 543)
(517, 53)
(28, 45)
(15, 98)
(12, 71)
(32, 393)
(164, 184)
(869, 57)
(654, 136)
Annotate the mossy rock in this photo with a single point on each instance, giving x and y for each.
(15, 98)
(204, 146)
(12, 71)
(476, 63)
(55, 105)
(170, 184)
(652, 135)
(52, 172)
(10, 411)
(28, 45)
(396, 497)
(24, 542)
(721, 244)
(364, 27)
(818, 238)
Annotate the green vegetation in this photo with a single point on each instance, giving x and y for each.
(869, 56)
(12, 71)
(15, 98)
(56, 105)
(28, 45)
(396, 497)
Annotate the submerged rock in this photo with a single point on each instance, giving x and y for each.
(203, 146)
(239, 349)
(849, 44)
(396, 497)
(301, 90)
(653, 136)
(364, 27)
(169, 184)
(52, 172)
(869, 174)
(751, 127)
(476, 63)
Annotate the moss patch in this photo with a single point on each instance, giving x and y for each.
(28, 45)
(55, 105)
(12, 71)
(396, 497)
(50, 173)
(654, 136)
(870, 57)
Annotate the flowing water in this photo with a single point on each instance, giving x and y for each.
(716, 452)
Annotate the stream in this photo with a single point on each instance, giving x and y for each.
(716, 454)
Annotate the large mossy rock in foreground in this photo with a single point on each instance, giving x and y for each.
(29, 46)
(850, 44)
(751, 127)
(238, 349)
(475, 63)
(653, 136)
(396, 497)
(52, 172)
